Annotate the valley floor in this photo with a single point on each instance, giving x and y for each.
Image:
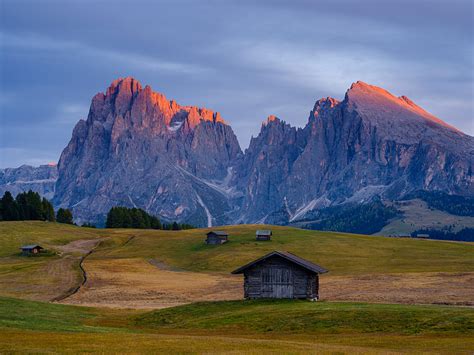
(132, 273)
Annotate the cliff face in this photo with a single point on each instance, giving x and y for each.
(371, 143)
(184, 163)
(40, 179)
(136, 148)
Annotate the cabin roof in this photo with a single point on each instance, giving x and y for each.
(30, 247)
(264, 232)
(219, 233)
(308, 265)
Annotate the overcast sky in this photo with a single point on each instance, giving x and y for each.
(244, 60)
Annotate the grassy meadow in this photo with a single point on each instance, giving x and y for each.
(151, 290)
(242, 326)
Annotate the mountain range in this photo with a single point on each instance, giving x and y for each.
(138, 149)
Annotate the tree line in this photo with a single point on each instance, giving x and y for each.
(453, 204)
(29, 206)
(366, 218)
(465, 234)
(123, 217)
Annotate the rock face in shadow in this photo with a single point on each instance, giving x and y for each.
(370, 144)
(136, 148)
(184, 163)
(41, 179)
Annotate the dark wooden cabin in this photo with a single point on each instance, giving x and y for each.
(216, 237)
(264, 235)
(281, 274)
(31, 249)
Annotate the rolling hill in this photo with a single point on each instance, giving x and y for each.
(372, 293)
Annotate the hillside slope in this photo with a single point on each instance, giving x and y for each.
(155, 269)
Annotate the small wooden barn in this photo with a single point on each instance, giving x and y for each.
(217, 237)
(281, 274)
(264, 235)
(33, 249)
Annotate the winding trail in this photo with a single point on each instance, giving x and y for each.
(74, 290)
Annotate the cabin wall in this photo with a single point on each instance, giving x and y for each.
(213, 239)
(279, 278)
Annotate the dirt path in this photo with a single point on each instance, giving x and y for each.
(135, 283)
(79, 246)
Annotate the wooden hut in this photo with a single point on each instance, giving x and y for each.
(33, 249)
(264, 235)
(217, 237)
(281, 274)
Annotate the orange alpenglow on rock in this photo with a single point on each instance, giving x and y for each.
(269, 119)
(370, 96)
(149, 109)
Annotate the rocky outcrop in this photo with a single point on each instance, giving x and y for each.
(136, 148)
(370, 144)
(184, 163)
(40, 179)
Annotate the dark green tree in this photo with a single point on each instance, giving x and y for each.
(114, 218)
(48, 211)
(123, 217)
(9, 208)
(30, 206)
(64, 216)
(175, 226)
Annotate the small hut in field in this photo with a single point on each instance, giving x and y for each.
(264, 235)
(280, 274)
(217, 237)
(33, 249)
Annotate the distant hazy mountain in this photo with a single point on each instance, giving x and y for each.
(184, 163)
(40, 179)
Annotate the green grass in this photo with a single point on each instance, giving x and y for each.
(15, 234)
(243, 325)
(288, 316)
(341, 253)
(240, 326)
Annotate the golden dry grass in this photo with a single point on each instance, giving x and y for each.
(362, 268)
(136, 283)
(408, 288)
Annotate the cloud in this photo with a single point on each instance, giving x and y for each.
(134, 60)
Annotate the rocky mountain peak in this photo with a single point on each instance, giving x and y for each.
(127, 85)
(184, 163)
(270, 119)
(126, 104)
(379, 105)
(322, 106)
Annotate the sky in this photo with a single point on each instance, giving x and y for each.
(245, 59)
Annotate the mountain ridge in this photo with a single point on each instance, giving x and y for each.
(138, 149)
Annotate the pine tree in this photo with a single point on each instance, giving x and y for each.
(48, 211)
(175, 226)
(30, 206)
(64, 216)
(9, 208)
